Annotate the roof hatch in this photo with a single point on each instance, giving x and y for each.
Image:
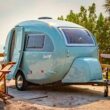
(44, 18)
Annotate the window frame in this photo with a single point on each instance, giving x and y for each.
(27, 39)
(68, 44)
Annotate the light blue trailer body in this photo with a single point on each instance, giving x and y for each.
(56, 61)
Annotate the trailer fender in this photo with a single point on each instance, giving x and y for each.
(84, 70)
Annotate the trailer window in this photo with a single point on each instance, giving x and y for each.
(77, 36)
(35, 41)
(39, 42)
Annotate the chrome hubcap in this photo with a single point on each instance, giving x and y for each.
(19, 81)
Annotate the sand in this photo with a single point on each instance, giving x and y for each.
(57, 98)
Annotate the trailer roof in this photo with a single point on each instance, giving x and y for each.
(50, 22)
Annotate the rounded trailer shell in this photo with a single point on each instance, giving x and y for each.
(56, 61)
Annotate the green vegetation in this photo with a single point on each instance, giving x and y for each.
(107, 7)
(98, 25)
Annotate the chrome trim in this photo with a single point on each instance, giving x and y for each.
(67, 44)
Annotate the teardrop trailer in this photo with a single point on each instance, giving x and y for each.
(48, 51)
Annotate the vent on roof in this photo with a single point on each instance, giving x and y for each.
(45, 18)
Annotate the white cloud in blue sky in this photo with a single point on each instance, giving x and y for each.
(14, 11)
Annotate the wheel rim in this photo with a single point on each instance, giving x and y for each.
(19, 81)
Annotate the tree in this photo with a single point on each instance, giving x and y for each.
(61, 18)
(83, 16)
(107, 6)
(92, 18)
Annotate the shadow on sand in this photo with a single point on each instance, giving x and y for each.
(59, 96)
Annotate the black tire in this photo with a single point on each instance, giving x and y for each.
(20, 82)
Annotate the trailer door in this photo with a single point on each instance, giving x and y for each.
(17, 51)
(8, 45)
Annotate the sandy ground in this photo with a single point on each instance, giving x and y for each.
(57, 98)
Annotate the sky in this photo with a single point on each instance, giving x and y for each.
(14, 11)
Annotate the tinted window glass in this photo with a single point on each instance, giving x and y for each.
(77, 36)
(39, 42)
(35, 41)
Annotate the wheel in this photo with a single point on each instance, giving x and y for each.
(20, 81)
